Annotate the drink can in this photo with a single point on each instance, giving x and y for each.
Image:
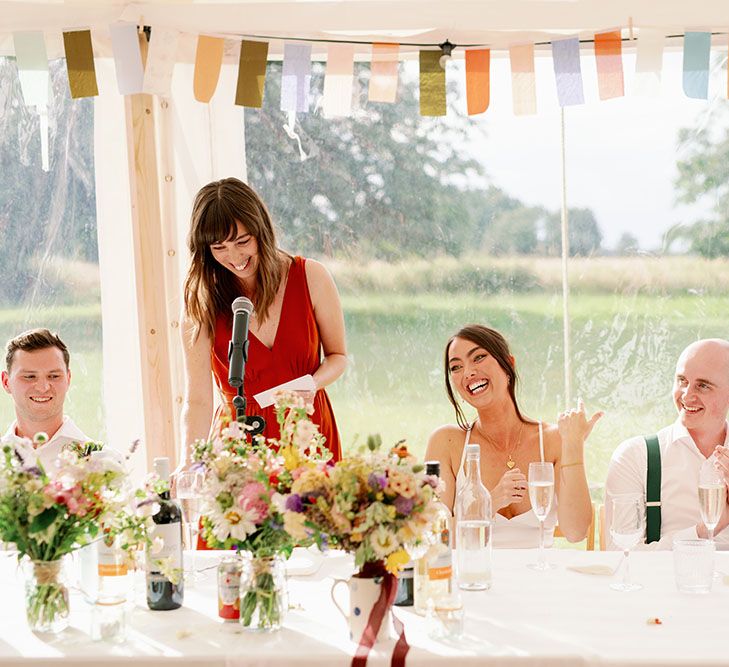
(229, 572)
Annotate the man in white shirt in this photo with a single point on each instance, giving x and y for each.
(701, 397)
(37, 377)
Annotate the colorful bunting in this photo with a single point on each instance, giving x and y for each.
(161, 59)
(478, 83)
(649, 62)
(696, 55)
(296, 77)
(523, 81)
(383, 73)
(208, 60)
(80, 63)
(338, 81)
(609, 59)
(566, 61)
(251, 74)
(127, 58)
(432, 84)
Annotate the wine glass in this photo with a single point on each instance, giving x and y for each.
(627, 527)
(189, 485)
(712, 495)
(541, 495)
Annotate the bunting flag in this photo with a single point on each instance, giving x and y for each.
(251, 74)
(338, 81)
(478, 83)
(32, 61)
(649, 62)
(127, 58)
(161, 59)
(523, 81)
(696, 55)
(80, 63)
(208, 60)
(567, 71)
(432, 84)
(383, 73)
(296, 77)
(609, 59)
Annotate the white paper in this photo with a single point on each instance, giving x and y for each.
(161, 59)
(127, 58)
(303, 383)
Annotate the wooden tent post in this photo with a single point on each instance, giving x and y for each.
(149, 267)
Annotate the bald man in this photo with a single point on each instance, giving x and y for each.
(701, 397)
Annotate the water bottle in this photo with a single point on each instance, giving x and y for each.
(473, 526)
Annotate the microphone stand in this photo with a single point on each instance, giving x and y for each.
(255, 423)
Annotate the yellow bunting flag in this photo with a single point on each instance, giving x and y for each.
(609, 59)
(80, 63)
(523, 80)
(432, 84)
(478, 65)
(383, 77)
(251, 74)
(208, 60)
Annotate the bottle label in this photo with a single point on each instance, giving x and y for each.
(171, 551)
(440, 564)
(112, 562)
(435, 573)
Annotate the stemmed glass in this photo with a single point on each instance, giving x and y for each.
(627, 527)
(541, 495)
(712, 495)
(189, 485)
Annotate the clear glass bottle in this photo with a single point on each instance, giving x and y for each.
(434, 571)
(473, 526)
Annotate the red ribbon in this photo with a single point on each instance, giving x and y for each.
(380, 609)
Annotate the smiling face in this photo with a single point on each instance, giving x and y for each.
(238, 254)
(38, 382)
(475, 374)
(701, 386)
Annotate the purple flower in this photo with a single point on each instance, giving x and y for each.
(404, 505)
(294, 503)
(33, 470)
(376, 481)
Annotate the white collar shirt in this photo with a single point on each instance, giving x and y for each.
(681, 462)
(48, 453)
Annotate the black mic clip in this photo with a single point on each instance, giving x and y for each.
(254, 423)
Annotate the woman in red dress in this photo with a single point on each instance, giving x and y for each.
(297, 327)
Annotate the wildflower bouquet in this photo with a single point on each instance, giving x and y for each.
(244, 495)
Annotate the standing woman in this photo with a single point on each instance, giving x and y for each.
(482, 371)
(297, 327)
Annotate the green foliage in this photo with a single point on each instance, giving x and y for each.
(584, 233)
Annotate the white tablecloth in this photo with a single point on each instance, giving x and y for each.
(555, 618)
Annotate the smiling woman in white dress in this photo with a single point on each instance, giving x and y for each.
(480, 369)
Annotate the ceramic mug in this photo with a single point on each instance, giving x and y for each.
(363, 593)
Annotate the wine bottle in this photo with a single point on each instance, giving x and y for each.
(165, 584)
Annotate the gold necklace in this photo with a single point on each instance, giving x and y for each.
(510, 463)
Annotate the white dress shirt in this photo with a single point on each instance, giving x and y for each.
(48, 453)
(681, 461)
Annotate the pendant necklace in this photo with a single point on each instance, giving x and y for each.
(510, 463)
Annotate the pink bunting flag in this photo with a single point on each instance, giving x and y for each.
(383, 73)
(609, 59)
(523, 80)
(338, 81)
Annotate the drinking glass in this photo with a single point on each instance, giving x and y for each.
(712, 495)
(626, 529)
(541, 495)
(189, 485)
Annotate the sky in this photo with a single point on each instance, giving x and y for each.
(621, 153)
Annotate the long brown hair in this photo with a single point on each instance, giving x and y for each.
(211, 288)
(495, 344)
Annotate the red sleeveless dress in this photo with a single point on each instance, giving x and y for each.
(296, 351)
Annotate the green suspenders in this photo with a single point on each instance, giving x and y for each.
(653, 490)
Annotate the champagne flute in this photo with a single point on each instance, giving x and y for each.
(627, 527)
(189, 485)
(712, 495)
(541, 495)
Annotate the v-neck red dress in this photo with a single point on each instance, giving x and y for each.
(296, 351)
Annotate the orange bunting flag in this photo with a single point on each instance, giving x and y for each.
(80, 63)
(432, 84)
(478, 65)
(208, 60)
(609, 59)
(523, 80)
(251, 74)
(383, 73)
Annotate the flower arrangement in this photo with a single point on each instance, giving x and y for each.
(48, 514)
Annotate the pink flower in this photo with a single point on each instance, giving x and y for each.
(255, 498)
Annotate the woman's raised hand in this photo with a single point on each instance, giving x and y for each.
(574, 429)
(512, 488)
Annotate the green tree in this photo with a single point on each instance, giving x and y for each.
(703, 176)
(584, 233)
(513, 231)
(627, 244)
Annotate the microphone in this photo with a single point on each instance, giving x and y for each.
(238, 346)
